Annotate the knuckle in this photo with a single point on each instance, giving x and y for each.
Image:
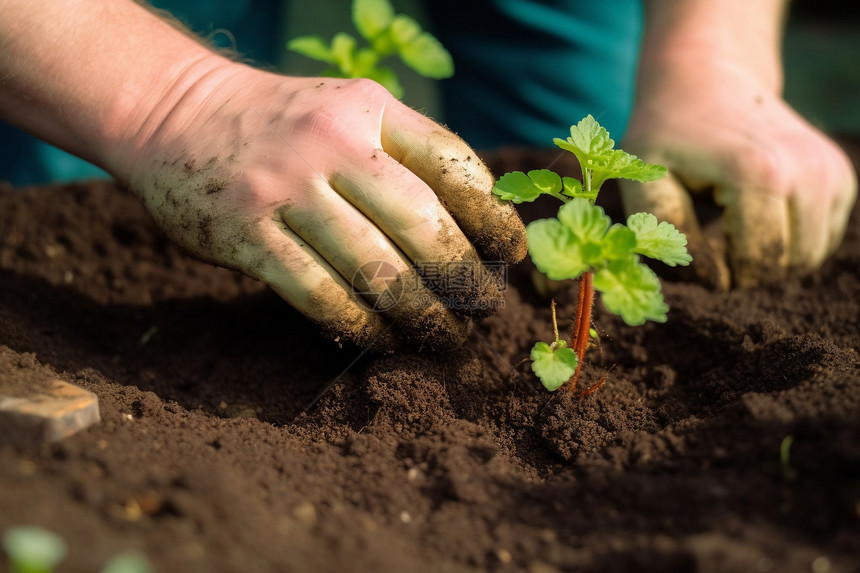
(366, 87)
(765, 168)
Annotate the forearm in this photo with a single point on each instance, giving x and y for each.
(699, 35)
(93, 76)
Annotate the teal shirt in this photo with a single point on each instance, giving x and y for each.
(525, 70)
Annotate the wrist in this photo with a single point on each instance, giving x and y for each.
(109, 71)
(711, 41)
(139, 114)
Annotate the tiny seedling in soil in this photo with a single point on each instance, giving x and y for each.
(788, 473)
(387, 34)
(32, 549)
(582, 243)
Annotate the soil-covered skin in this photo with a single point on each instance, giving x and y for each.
(214, 453)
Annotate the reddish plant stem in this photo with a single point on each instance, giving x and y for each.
(581, 324)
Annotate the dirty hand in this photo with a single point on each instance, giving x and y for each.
(786, 189)
(709, 108)
(332, 192)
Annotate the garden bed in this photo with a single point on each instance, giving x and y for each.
(210, 456)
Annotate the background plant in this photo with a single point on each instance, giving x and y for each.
(387, 34)
(583, 243)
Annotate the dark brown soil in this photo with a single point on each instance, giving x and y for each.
(209, 458)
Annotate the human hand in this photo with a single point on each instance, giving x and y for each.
(785, 188)
(324, 187)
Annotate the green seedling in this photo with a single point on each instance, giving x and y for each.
(582, 243)
(32, 549)
(785, 458)
(387, 34)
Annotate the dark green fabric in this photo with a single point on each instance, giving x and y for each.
(526, 70)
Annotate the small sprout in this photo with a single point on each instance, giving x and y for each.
(788, 474)
(387, 34)
(553, 363)
(128, 562)
(582, 243)
(32, 549)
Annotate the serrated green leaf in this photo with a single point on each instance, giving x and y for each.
(372, 17)
(313, 47)
(631, 290)
(588, 139)
(592, 146)
(404, 29)
(588, 222)
(554, 367)
(516, 186)
(545, 180)
(555, 250)
(618, 243)
(661, 241)
(622, 165)
(571, 186)
(343, 53)
(388, 78)
(426, 55)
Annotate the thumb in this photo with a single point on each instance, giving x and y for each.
(669, 200)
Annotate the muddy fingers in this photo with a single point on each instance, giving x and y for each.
(460, 179)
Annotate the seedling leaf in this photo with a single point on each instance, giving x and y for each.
(404, 30)
(389, 80)
(622, 165)
(426, 56)
(343, 51)
(594, 149)
(516, 186)
(661, 241)
(588, 141)
(554, 365)
(555, 249)
(547, 181)
(588, 222)
(572, 187)
(387, 34)
(618, 243)
(128, 562)
(372, 17)
(364, 64)
(631, 290)
(32, 549)
(313, 47)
